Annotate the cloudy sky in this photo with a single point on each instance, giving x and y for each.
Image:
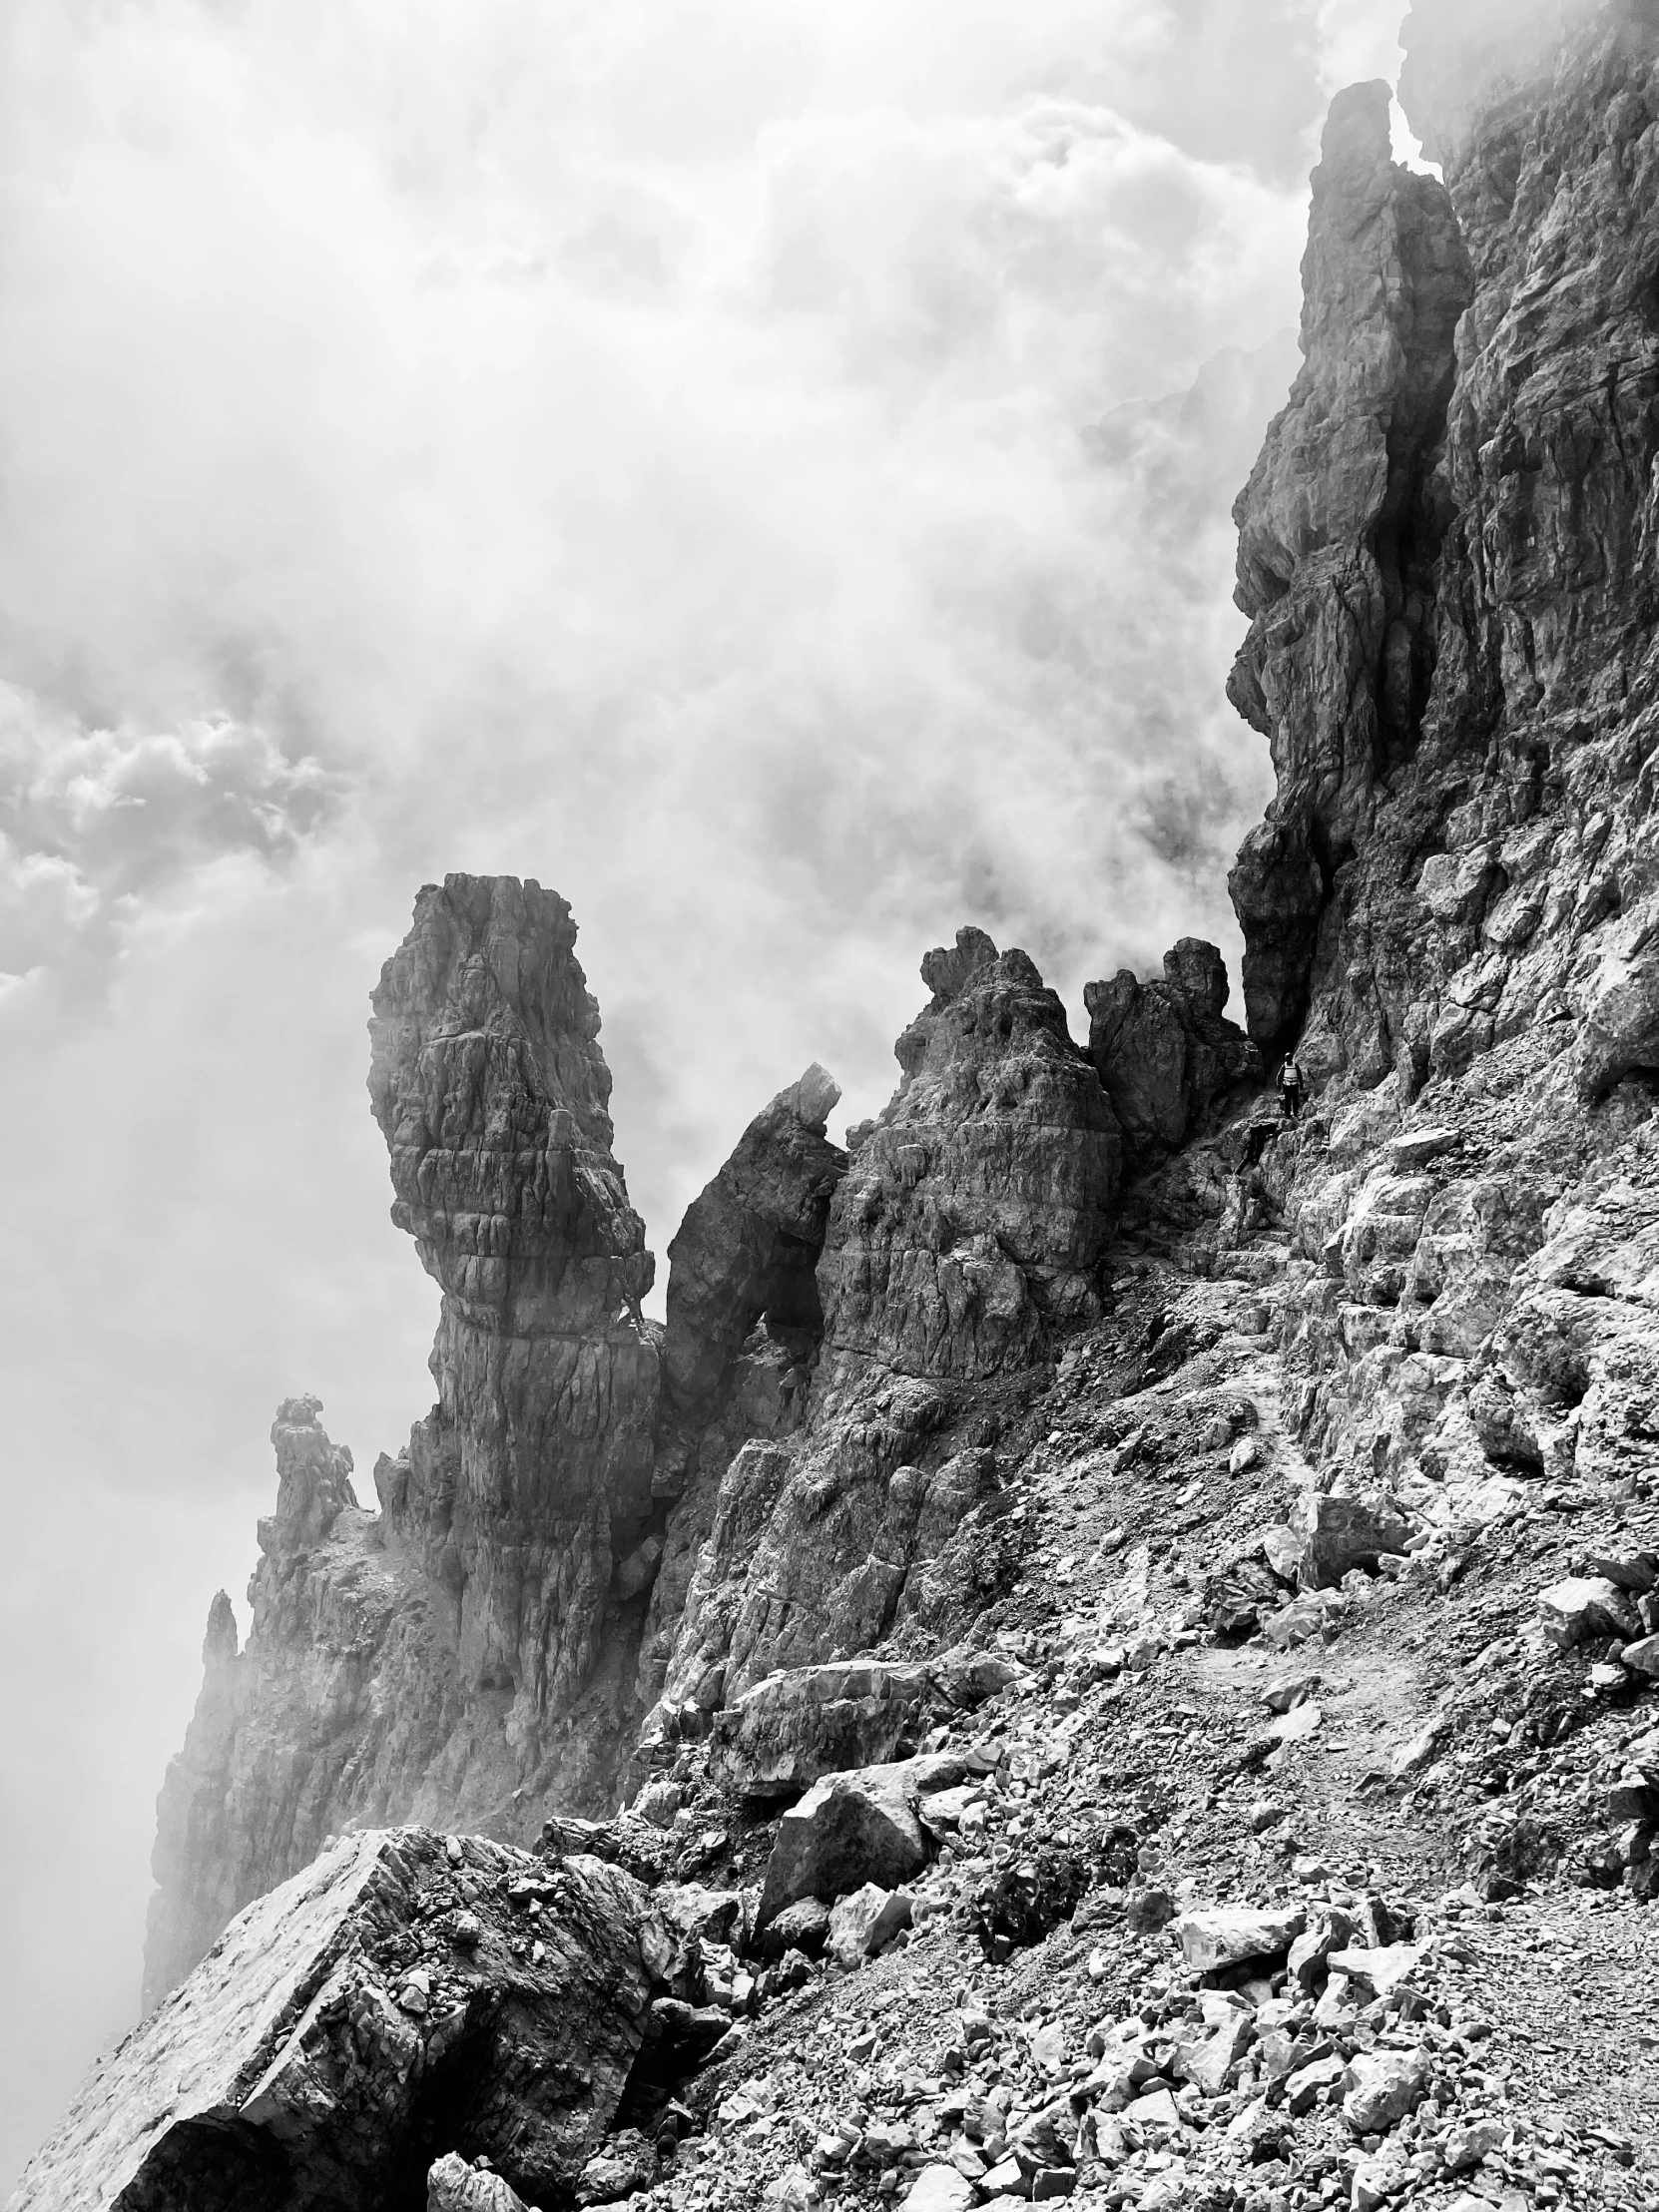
(724, 458)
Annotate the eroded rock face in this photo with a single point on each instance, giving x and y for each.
(965, 1236)
(530, 1479)
(749, 1247)
(1472, 781)
(1165, 1050)
(375, 2013)
(978, 1204)
(291, 1736)
(1338, 539)
(469, 1652)
(744, 1328)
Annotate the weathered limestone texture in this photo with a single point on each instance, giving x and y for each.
(1165, 1050)
(471, 1649)
(529, 1483)
(979, 1202)
(968, 1229)
(378, 2010)
(1339, 538)
(1469, 1210)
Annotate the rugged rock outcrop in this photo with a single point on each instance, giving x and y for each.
(969, 1231)
(1339, 531)
(981, 1201)
(744, 1327)
(530, 1479)
(1165, 1050)
(747, 1249)
(379, 2010)
(470, 1650)
(291, 1736)
(600, 1516)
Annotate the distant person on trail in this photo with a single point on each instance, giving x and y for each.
(1291, 1089)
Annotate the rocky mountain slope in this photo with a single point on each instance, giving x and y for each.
(1126, 1627)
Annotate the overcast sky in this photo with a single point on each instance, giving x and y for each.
(697, 455)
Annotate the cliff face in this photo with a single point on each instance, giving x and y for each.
(1476, 936)
(1339, 536)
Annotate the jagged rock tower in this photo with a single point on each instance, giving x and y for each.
(605, 1529)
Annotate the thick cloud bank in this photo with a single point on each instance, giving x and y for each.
(712, 459)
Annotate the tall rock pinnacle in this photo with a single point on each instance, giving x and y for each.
(473, 1646)
(531, 1476)
(1338, 537)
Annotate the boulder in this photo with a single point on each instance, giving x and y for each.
(304, 2061)
(1584, 1606)
(802, 1926)
(1327, 1931)
(866, 1922)
(801, 1723)
(1207, 2064)
(1236, 1597)
(850, 1828)
(1382, 1968)
(710, 1915)
(1381, 2087)
(1337, 1533)
(940, 2189)
(1467, 2145)
(626, 2163)
(454, 2186)
(1228, 1935)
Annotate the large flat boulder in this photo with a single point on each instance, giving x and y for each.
(406, 1996)
(850, 1828)
(801, 1723)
